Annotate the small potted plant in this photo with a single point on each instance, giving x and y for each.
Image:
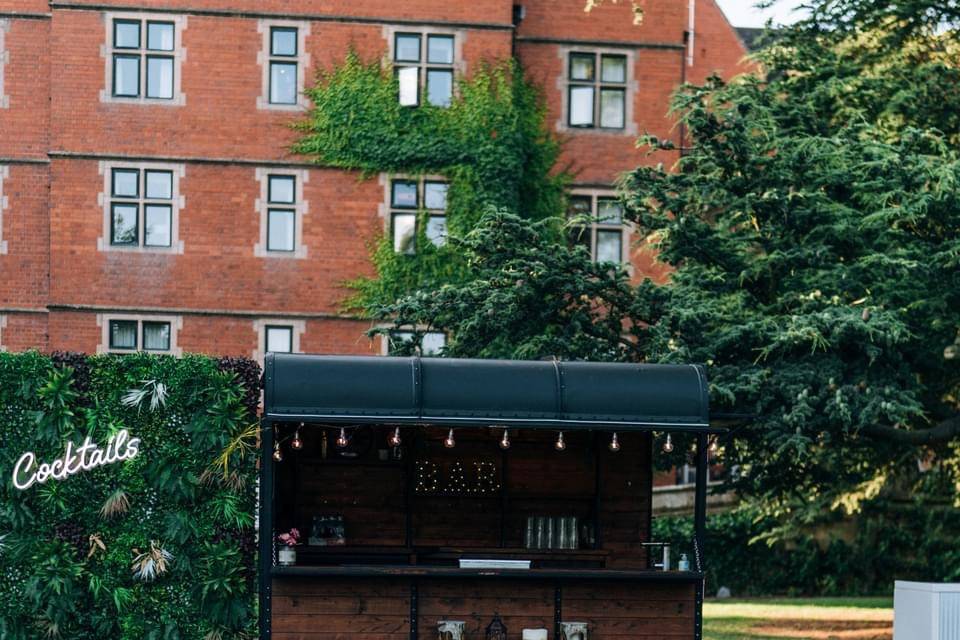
(287, 554)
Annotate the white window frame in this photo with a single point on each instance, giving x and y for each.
(3, 325)
(4, 204)
(625, 228)
(260, 327)
(386, 209)
(264, 57)
(179, 54)
(300, 206)
(631, 88)
(4, 61)
(104, 320)
(459, 66)
(178, 202)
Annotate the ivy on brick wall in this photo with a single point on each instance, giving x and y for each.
(491, 144)
(157, 547)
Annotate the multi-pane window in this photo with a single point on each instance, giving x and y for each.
(597, 90)
(411, 200)
(283, 65)
(281, 213)
(597, 225)
(431, 342)
(141, 207)
(424, 64)
(139, 335)
(278, 338)
(143, 58)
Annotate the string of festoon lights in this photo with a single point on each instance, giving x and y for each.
(395, 440)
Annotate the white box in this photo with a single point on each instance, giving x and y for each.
(926, 611)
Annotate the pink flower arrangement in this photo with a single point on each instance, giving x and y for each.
(291, 539)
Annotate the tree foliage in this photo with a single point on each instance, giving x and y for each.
(813, 231)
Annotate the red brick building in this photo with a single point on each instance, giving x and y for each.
(147, 196)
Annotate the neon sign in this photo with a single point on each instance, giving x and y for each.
(120, 447)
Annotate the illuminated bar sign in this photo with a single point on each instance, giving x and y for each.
(88, 456)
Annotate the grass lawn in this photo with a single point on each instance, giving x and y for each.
(799, 619)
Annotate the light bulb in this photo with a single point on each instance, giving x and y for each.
(277, 453)
(668, 445)
(296, 444)
(714, 445)
(450, 443)
(560, 445)
(342, 438)
(395, 438)
(614, 443)
(505, 441)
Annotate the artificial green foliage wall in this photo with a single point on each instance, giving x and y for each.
(491, 144)
(157, 547)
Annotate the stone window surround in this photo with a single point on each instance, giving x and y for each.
(263, 59)
(179, 55)
(632, 87)
(4, 204)
(3, 325)
(4, 61)
(301, 208)
(177, 203)
(260, 327)
(627, 227)
(103, 321)
(459, 37)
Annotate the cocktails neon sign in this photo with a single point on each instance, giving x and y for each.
(120, 447)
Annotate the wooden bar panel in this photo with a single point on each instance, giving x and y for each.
(324, 609)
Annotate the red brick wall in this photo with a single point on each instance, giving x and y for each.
(24, 331)
(718, 48)
(55, 78)
(24, 267)
(25, 125)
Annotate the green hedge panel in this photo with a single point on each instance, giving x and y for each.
(180, 512)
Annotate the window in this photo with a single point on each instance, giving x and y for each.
(281, 208)
(277, 335)
(144, 59)
(597, 225)
(279, 339)
(424, 65)
(410, 199)
(431, 343)
(598, 89)
(281, 221)
(284, 63)
(4, 204)
(141, 204)
(4, 59)
(141, 207)
(130, 334)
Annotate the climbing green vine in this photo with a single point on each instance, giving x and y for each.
(491, 144)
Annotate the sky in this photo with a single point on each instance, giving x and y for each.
(742, 13)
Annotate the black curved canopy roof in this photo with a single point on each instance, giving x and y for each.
(454, 392)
